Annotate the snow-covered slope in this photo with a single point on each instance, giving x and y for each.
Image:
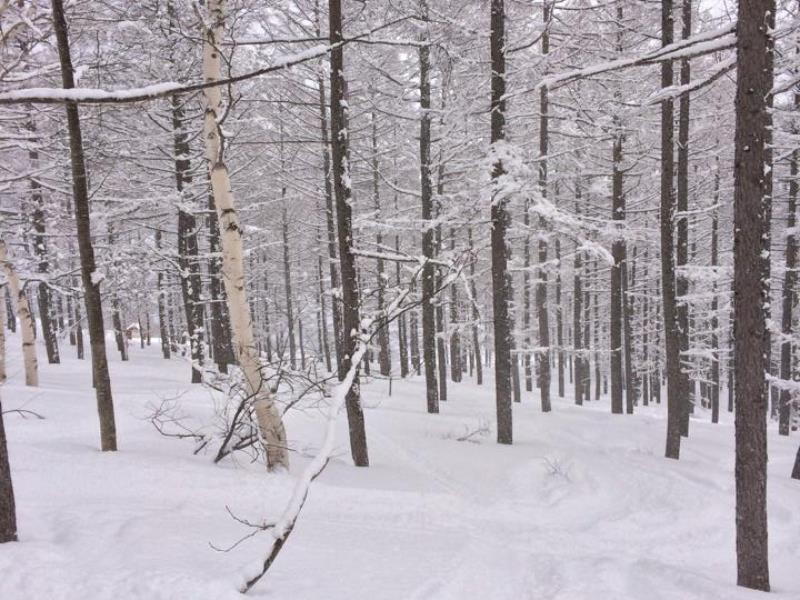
(582, 506)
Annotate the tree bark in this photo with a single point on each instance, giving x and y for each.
(384, 356)
(428, 233)
(233, 273)
(541, 285)
(715, 357)
(344, 210)
(8, 511)
(476, 346)
(577, 311)
(91, 283)
(682, 245)
(188, 262)
(751, 291)
(43, 264)
(616, 301)
(25, 319)
(667, 214)
(788, 292)
(501, 220)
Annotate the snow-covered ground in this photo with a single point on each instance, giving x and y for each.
(582, 506)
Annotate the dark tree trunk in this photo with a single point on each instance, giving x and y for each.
(617, 274)
(43, 264)
(526, 297)
(788, 292)
(682, 246)
(476, 345)
(323, 317)
(796, 468)
(456, 367)
(11, 317)
(631, 391)
(341, 178)
(220, 318)
(596, 328)
(80, 190)
(559, 322)
(501, 278)
(671, 331)
(715, 381)
(414, 336)
(428, 240)
(441, 350)
(287, 285)
(8, 511)
(751, 290)
(162, 311)
(541, 285)
(384, 356)
(188, 250)
(330, 218)
(577, 311)
(402, 331)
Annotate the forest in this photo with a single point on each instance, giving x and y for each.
(399, 299)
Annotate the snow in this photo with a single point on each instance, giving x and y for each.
(583, 506)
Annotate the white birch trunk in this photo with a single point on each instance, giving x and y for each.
(25, 319)
(267, 414)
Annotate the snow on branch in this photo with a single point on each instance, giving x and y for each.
(160, 90)
(691, 47)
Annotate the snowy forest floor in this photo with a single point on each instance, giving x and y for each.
(583, 506)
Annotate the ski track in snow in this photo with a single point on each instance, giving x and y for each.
(583, 506)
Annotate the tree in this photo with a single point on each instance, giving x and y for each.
(428, 234)
(89, 275)
(754, 81)
(667, 214)
(351, 325)
(233, 273)
(501, 278)
(8, 513)
(25, 317)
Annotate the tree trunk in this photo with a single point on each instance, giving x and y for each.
(682, 246)
(402, 331)
(43, 265)
(384, 357)
(627, 318)
(428, 233)
(751, 291)
(526, 296)
(162, 311)
(188, 262)
(456, 367)
(323, 318)
(476, 346)
(577, 311)
(330, 218)
(559, 322)
(25, 319)
(788, 292)
(220, 319)
(91, 283)
(233, 273)
(287, 285)
(8, 511)
(616, 301)
(501, 220)
(667, 214)
(541, 285)
(715, 358)
(344, 210)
